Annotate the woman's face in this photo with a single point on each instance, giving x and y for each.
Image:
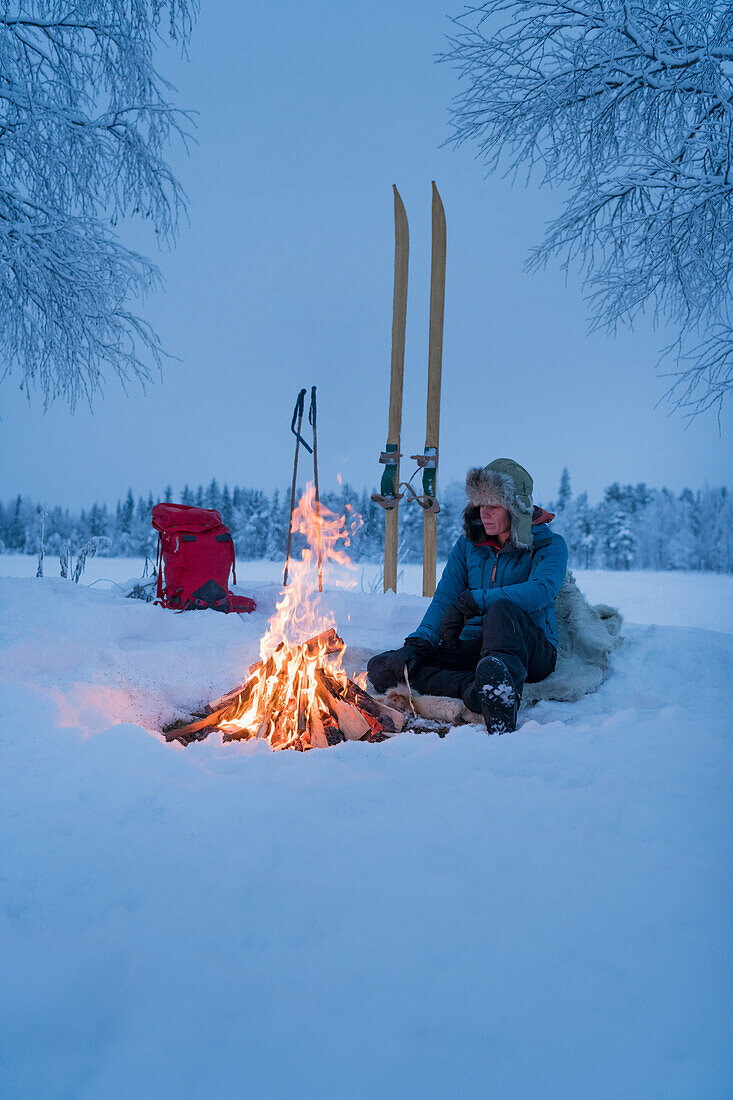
(496, 520)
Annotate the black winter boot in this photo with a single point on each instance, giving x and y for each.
(497, 695)
(471, 699)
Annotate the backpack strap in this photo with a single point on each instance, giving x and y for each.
(159, 567)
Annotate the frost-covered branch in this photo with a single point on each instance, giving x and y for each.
(85, 119)
(628, 105)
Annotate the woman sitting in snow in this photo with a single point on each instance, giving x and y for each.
(491, 623)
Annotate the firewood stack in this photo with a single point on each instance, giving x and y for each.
(294, 701)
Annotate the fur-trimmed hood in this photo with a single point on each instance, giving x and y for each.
(505, 484)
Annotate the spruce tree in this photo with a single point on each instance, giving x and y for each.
(227, 510)
(127, 513)
(564, 493)
(213, 495)
(17, 530)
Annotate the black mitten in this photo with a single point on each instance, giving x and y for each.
(388, 669)
(456, 617)
(417, 650)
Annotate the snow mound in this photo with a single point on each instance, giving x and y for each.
(540, 914)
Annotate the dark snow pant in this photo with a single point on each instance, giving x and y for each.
(510, 635)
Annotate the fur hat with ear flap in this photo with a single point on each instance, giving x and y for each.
(501, 484)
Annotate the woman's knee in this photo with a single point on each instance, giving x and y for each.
(500, 610)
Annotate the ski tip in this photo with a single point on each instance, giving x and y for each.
(438, 209)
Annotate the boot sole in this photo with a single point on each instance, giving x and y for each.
(498, 697)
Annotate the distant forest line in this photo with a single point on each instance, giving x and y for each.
(632, 527)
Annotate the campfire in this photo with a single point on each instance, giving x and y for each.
(297, 695)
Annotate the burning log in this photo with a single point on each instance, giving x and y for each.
(349, 720)
(327, 642)
(297, 696)
(183, 731)
(197, 731)
(391, 720)
(293, 701)
(316, 731)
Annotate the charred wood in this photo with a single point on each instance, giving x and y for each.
(391, 720)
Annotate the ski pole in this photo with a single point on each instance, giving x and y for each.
(312, 421)
(297, 415)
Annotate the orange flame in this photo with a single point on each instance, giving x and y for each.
(284, 705)
(298, 613)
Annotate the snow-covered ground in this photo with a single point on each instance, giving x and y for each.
(664, 598)
(542, 915)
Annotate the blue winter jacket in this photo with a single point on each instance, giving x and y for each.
(529, 578)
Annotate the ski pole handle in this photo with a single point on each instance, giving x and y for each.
(312, 419)
(312, 410)
(298, 412)
(297, 416)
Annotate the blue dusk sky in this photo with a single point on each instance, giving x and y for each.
(308, 113)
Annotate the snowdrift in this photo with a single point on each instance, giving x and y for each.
(541, 914)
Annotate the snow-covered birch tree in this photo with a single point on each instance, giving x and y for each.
(85, 119)
(627, 105)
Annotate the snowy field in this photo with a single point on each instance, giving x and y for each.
(542, 915)
(664, 598)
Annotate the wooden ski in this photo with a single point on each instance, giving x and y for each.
(389, 495)
(435, 366)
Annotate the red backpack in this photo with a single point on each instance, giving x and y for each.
(195, 554)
